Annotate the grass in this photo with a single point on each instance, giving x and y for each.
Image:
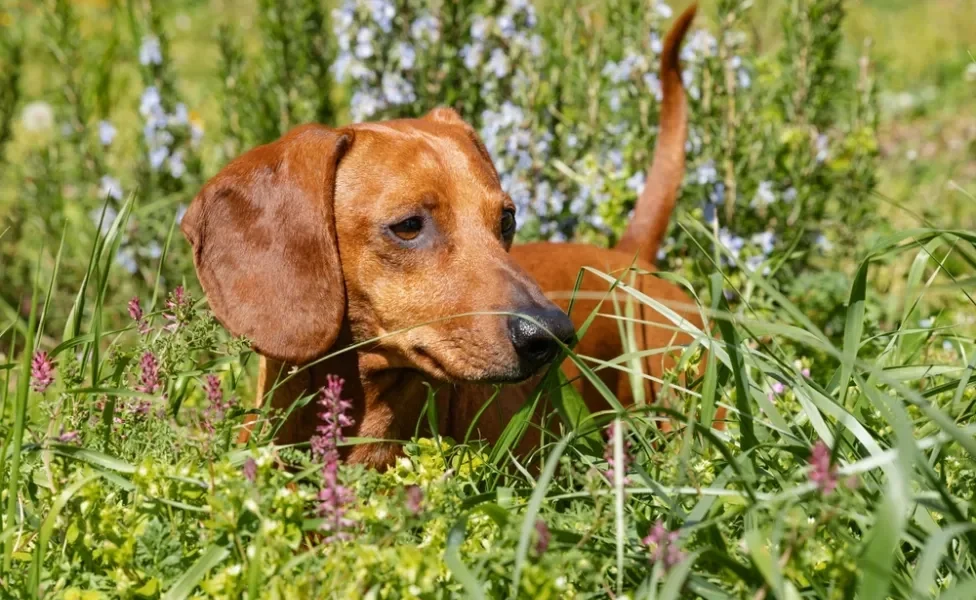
(112, 492)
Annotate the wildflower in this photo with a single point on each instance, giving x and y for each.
(663, 10)
(149, 378)
(215, 397)
(150, 51)
(764, 195)
(778, 388)
(765, 240)
(822, 473)
(150, 103)
(706, 173)
(177, 307)
(42, 372)
(805, 372)
(68, 437)
(663, 545)
(106, 133)
(608, 454)
(111, 187)
(542, 536)
(38, 117)
(333, 497)
(415, 499)
(250, 469)
(177, 168)
(135, 311)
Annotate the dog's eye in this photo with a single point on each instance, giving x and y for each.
(508, 223)
(408, 229)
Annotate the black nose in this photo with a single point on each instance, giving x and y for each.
(535, 340)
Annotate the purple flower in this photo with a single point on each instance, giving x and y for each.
(68, 437)
(542, 536)
(663, 545)
(822, 472)
(250, 469)
(135, 311)
(608, 454)
(333, 497)
(149, 378)
(805, 372)
(415, 499)
(42, 372)
(211, 387)
(778, 388)
(177, 309)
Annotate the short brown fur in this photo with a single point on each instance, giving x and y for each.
(291, 244)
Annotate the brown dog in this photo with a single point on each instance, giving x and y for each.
(328, 238)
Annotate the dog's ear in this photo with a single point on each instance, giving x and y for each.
(448, 116)
(264, 244)
(444, 114)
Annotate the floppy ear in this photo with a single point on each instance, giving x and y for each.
(448, 116)
(264, 244)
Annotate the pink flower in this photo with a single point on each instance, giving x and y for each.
(415, 499)
(608, 454)
(177, 309)
(68, 437)
(778, 388)
(149, 379)
(805, 372)
(663, 545)
(333, 497)
(135, 311)
(42, 372)
(822, 472)
(250, 469)
(542, 536)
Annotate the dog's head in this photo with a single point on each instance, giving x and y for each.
(384, 227)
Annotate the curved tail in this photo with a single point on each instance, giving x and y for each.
(652, 214)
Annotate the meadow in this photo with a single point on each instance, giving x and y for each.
(826, 229)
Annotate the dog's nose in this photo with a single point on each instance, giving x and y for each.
(535, 340)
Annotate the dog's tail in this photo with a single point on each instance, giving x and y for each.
(652, 214)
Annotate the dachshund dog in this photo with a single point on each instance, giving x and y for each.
(393, 240)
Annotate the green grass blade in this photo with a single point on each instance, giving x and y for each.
(184, 586)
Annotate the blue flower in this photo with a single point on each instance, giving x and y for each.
(635, 182)
(765, 240)
(150, 52)
(706, 173)
(106, 132)
(498, 63)
(111, 187)
(407, 55)
(764, 195)
(176, 166)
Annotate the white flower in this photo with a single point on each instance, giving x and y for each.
(636, 182)
(765, 240)
(180, 212)
(111, 187)
(175, 164)
(498, 63)
(150, 102)
(663, 10)
(38, 117)
(706, 173)
(180, 116)
(106, 132)
(408, 56)
(764, 195)
(157, 156)
(150, 52)
(472, 56)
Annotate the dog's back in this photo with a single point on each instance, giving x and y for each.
(556, 268)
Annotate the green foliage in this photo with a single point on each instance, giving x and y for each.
(125, 478)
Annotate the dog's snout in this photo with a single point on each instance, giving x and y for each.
(534, 338)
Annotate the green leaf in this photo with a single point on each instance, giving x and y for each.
(184, 586)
